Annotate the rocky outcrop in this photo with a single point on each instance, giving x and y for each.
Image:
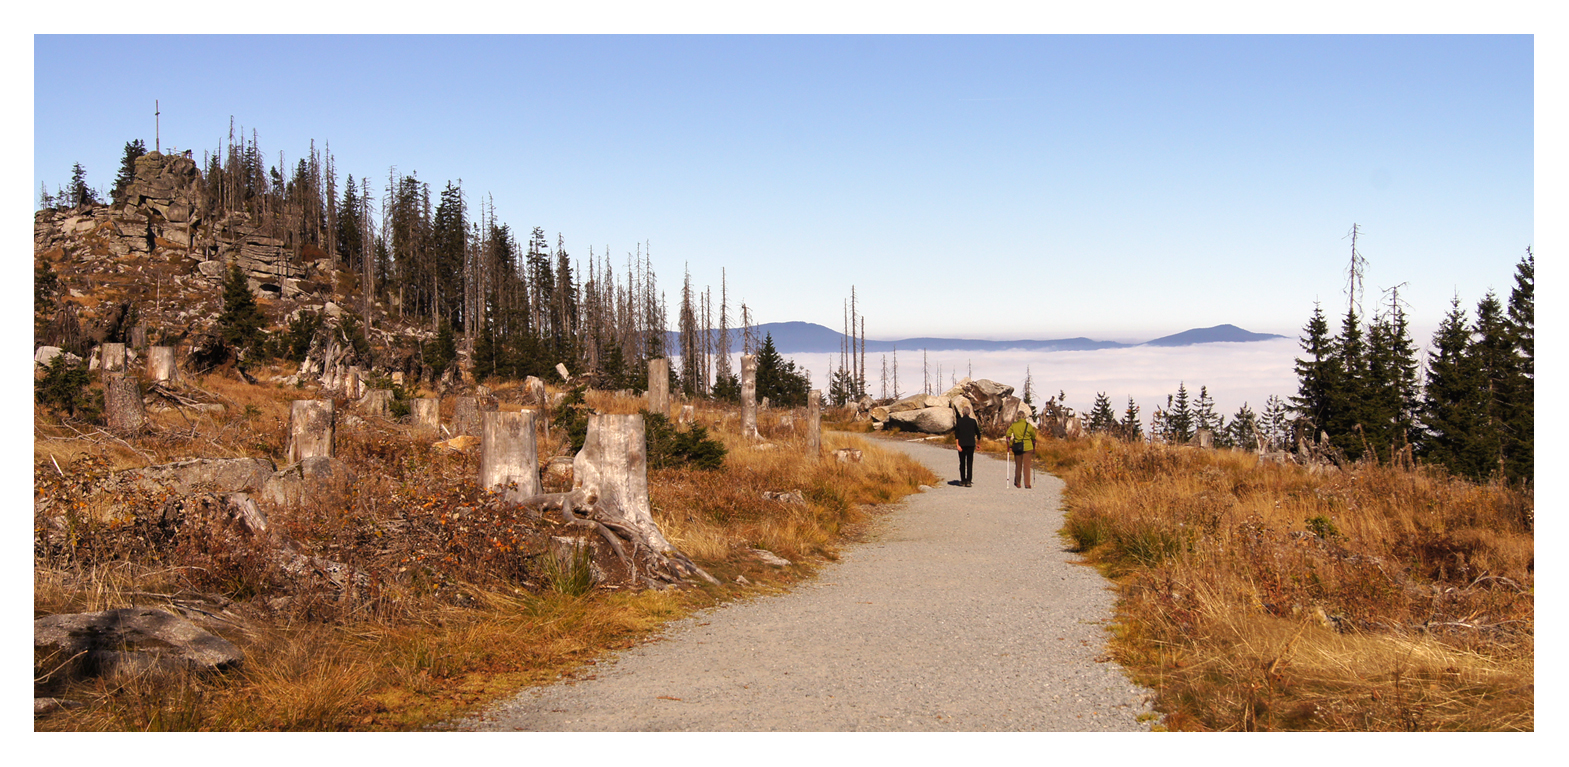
(992, 404)
(128, 640)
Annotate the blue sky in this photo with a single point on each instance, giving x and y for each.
(1120, 187)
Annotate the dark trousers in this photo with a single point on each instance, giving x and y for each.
(966, 463)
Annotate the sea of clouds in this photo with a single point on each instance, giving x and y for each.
(1233, 372)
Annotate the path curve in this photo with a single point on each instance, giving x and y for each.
(962, 612)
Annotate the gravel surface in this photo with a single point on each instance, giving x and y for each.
(962, 612)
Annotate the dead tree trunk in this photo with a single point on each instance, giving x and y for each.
(160, 363)
(814, 423)
(310, 430)
(749, 396)
(613, 467)
(508, 454)
(123, 403)
(659, 386)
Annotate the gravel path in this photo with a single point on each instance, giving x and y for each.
(962, 612)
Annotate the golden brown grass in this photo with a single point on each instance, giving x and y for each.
(1261, 597)
(422, 651)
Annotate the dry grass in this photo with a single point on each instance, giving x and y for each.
(453, 618)
(1261, 597)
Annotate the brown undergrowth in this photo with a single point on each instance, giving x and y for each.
(452, 606)
(1265, 597)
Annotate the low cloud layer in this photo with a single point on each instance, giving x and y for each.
(1234, 372)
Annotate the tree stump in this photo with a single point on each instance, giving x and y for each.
(377, 402)
(659, 386)
(160, 363)
(123, 403)
(613, 468)
(688, 414)
(508, 453)
(425, 413)
(814, 423)
(354, 382)
(749, 396)
(111, 359)
(466, 414)
(310, 430)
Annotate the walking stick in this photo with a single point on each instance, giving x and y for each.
(1007, 464)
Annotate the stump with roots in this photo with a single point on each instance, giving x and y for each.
(311, 429)
(749, 396)
(610, 476)
(123, 403)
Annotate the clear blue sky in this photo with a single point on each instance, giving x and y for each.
(1121, 187)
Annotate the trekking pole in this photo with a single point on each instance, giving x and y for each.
(1007, 463)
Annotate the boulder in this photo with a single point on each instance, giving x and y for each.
(847, 455)
(927, 420)
(130, 639)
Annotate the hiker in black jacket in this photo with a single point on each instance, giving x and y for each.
(965, 430)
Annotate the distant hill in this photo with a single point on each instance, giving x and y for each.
(811, 338)
(1217, 334)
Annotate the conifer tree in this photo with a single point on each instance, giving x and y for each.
(1243, 432)
(1179, 416)
(133, 150)
(1102, 419)
(1318, 376)
(1273, 424)
(1450, 403)
(1129, 427)
(241, 322)
(79, 193)
(1522, 327)
(778, 379)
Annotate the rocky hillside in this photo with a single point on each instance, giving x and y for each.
(149, 268)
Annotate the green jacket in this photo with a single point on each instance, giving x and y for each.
(1022, 431)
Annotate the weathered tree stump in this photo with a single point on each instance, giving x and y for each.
(160, 363)
(123, 403)
(139, 337)
(377, 402)
(354, 382)
(311, 430)
(688, 414)
(508, 453)
(466, 414)
(613, 467)
(659, 386)
(814, 423)
(425, 413)
(749, 396)
(111, 359)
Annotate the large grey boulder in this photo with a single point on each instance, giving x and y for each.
(223, 475)
(927, 420)
(130, 639)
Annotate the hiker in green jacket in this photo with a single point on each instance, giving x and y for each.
(1021, 440)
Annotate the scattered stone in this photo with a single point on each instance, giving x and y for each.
(47, 706)
(770, 558)
(791, 496)
(847, 455)
(741, 580)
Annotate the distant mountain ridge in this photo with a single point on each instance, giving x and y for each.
(811, 338)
